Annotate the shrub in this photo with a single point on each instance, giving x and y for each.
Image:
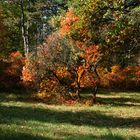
(127, 78)
(11, 71)
(51, 91)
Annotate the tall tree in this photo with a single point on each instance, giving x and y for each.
(27, 22)
(110, 24)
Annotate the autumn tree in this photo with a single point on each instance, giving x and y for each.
(106, 24)
(109, 24)
(89, 52)
(57, 54)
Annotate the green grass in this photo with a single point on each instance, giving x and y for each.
(117, 117)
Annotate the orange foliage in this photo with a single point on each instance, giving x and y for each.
(91, 54)
(62, 72)
(11, 70)
(80, 71)
(67, 21)
(51, 91)
(127, 78)
(115, 69)
(16, 61)
(15, 55)
(27, 75)
(88, 80)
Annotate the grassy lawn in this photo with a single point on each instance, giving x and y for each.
(117, 117)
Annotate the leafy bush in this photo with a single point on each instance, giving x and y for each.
(127, 78)
(51, 91)
(11, 71)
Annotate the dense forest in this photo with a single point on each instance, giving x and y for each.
(58, 49)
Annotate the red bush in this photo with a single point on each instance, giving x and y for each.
(11, 70)
(127, 78)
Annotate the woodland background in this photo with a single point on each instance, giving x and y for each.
(58, 49)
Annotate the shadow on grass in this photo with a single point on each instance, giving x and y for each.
(69, 136)
(15, 96)
(17, 115)
(20, 136)
(75, 136)
(103, 91)
(121, 101)
(115, 98)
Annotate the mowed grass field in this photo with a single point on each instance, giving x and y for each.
(115, 117)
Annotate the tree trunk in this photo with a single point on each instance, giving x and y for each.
(25, 28)
(77, 78)
(27, 37)
(94, 93)
(77, 91)
(60, 82)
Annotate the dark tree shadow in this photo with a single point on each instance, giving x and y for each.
(118, 90)
(121, 101)
(18, 96)
(20, 136)
(14, 114)
(68, 136)
(127, 98)
(76, 136)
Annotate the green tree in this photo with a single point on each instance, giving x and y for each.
(110, 24)
(11, 12)
(27, 22)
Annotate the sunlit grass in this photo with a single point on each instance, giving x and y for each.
(117, 117)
